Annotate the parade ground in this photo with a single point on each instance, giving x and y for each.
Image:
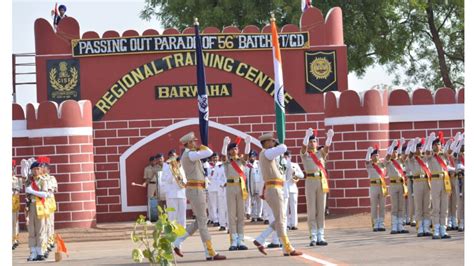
(351, 242)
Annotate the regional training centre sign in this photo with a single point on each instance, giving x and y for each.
(173, 43)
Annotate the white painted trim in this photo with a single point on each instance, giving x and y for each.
(358, 119)
(17, 132)
(427, 112)
(157, 134)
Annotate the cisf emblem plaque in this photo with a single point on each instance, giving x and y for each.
(63, 80)
(321, 71)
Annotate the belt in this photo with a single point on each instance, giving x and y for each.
(419, 177)
(198, 184)
(410, 177)
(459, 175)
(377, 182)
(274, 183)
(314, 176)
(232, 180)
(151, 182)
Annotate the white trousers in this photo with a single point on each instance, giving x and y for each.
(222, 210)
(213, 206)
(293, 210)
(248, 205)
(179, 206)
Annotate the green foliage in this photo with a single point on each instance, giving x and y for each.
(392, 33)
(156, 246)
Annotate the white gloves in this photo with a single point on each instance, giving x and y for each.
(309, 132)
(391, 148)
(25, 168)
(224, 145)
(448, 145)
(247, 144)
(400, 147)
(329, 135)
(368, 155)
(410, 145)
(429, 142)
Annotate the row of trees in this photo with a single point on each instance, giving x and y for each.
(420, 41)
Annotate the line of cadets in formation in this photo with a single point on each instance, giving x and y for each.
(235, 187)
(426, 189)
(426, 185)
(40, 206)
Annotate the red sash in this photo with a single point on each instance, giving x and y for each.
(243, 180)
(35, 187)
(382, 179)
(451, 160)
(462, 160)
(399, 169)
(441, 162)
(318, 163)
(379, 171)
(423, 166)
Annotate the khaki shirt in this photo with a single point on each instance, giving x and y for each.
(414, 167)
(308, 163)
(150, 174)
(371, 170)
(194, 170)
(16, 185)
(269, 168)
(229, 170)
(434, 165)
(392, 171)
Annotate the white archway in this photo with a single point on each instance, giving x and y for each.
(157, 134)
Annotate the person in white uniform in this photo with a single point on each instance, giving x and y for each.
(255, 186)
(174, 181)
(293, 175)
(213, 189)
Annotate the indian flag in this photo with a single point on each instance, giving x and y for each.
(279, 91)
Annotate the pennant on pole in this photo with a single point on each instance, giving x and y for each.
(305, 4)
(279, 92)
(203, 103)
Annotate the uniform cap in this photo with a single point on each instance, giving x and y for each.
(187, 138)
(266, 136)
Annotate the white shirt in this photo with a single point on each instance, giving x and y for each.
(173, 191)
(293, 169)
(255, 180)
(213, 177)
(221, 180)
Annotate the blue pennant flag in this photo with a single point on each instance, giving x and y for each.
(203, 102)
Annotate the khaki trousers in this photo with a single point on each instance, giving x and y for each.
(15, 227)
(439, 199)
(197, 198)
(410, 199)
(398, 200)
(50, 225)
(235, 208)
(274, 198)
(151, 190)
(36, 228)
(453, 197)
(422, 200)
(377, 202)
(315, 203)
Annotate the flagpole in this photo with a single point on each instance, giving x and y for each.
(279, 90)
(203, 104)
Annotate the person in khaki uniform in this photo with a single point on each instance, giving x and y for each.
(160, 185)
(316, 186)
(459, 151)
(194, 171)
(150, 179)
(410, 199)
(421, 186)
(234, 168)
(454, 196)
(274, 182)
(378, 189)
(440, 184)
(52, 185)
(37, 192)
(16, 187)
(398, 188)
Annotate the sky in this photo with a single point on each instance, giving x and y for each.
(104, 15)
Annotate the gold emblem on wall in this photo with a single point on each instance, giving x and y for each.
(63, 80)
(321, 71)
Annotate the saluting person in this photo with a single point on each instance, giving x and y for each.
(174, 179)
(378, 188)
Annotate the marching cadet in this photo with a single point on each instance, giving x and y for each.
(410, 199)
(293, 175)
(237, 191)
(274, 182)
(421, 185)
(255, 185)
(378, 188)
(194, 172)
(316, 187)
(222, 196)
(16, 187)
(52, 185)
(440, 185)
(213, 189)
(398, 187)
(36, 190)
(460, 175)
(174, 180)
(454, 196)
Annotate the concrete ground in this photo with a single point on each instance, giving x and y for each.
(351, 242)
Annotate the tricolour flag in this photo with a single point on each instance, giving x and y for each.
(305, 4)
(279, 92)
(203, 103)
(55, 14)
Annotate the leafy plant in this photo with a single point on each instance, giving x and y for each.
(156, 244)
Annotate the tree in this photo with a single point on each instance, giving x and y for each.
(421, 39)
